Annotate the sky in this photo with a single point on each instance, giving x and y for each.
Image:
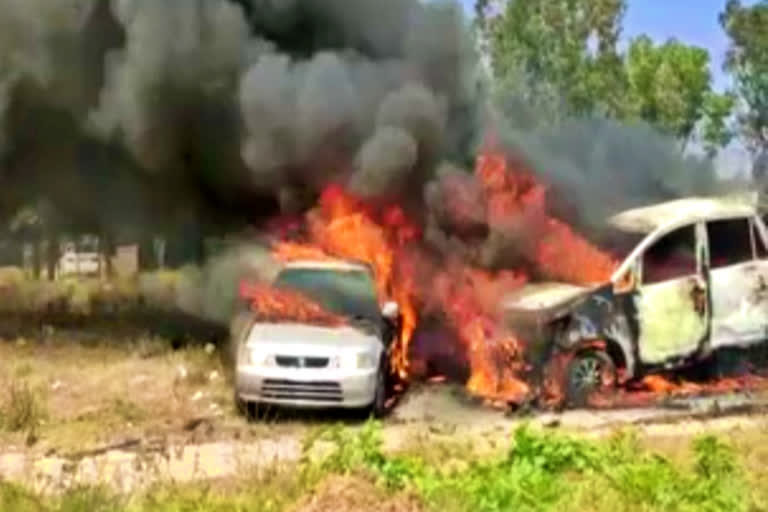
(691, 21)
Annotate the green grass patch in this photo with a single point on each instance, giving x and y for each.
(547, 471)
(540, 471)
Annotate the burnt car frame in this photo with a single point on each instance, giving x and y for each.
(695, 282)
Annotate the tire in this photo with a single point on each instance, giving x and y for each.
(251, 411)
(242, 407)
(378, 408)
(588, 372)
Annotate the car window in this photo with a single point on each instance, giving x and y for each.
(345, 292)
(671, 257)
(730, 242)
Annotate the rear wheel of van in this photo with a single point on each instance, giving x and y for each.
(589, 372)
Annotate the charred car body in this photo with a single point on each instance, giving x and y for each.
(694, 280)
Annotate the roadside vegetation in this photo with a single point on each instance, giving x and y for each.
(538, 471)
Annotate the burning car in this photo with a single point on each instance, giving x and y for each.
(327, 348)
(694, 280)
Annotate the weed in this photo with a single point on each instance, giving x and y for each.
(23, 410)
(23, 370)
(88, 499)
(128, 411)
(14, 497)
(550, 472)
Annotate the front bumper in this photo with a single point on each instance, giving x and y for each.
(306, 388)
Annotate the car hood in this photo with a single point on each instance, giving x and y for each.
(303, 338)
(543, 298)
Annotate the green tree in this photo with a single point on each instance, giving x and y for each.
(560, 55)
(670, 86)
(747, 62)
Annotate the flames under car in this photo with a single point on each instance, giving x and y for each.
(694, 280)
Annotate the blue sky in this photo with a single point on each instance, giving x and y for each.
(691, 21)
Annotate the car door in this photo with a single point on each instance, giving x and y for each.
(671, 301)
(738, 282)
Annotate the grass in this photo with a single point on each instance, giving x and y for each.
(99, 393)
(23, 410)
(347, 469)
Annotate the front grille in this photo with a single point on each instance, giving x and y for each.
(321, 391)
(301, 362)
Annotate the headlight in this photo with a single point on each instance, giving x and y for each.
(365, 361)
(261, 359)
(351, 360)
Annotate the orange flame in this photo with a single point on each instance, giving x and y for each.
(344, 227)
(469, 298)
(272, 304)
(516, 203)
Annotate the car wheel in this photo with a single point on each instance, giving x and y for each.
(589, 372)
(241, 406)
(378, 408)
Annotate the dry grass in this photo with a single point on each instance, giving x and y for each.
(23, 410)
(102, 393)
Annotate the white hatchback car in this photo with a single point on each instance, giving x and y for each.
(316, 366)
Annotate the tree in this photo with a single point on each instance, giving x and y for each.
(561, 55)
(562, 58)
(747, 62)
(670, 86)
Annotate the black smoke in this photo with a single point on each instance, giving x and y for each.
(138, 115)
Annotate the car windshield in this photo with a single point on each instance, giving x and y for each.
(618, 243)
(350, 293)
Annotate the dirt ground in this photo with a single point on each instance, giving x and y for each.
(133, 412)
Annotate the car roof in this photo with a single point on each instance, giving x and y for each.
(330, 264)
(683, 211)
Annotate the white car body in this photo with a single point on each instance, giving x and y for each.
(312, 366)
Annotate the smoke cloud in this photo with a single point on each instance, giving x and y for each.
(209, 106)
(176, 54)
(223, 113)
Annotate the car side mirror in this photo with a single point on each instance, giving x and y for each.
(390, 310)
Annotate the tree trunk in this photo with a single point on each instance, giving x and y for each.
(52, 256)
(36, 257)
(108, 250)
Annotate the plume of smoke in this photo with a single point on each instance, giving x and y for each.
(31, 32)
(597, 167)
(385, 160)
(223, 274)
(303, 118)
(176, 55)
(390, 98)
(591, 168)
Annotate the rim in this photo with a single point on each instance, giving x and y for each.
(586, 373)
